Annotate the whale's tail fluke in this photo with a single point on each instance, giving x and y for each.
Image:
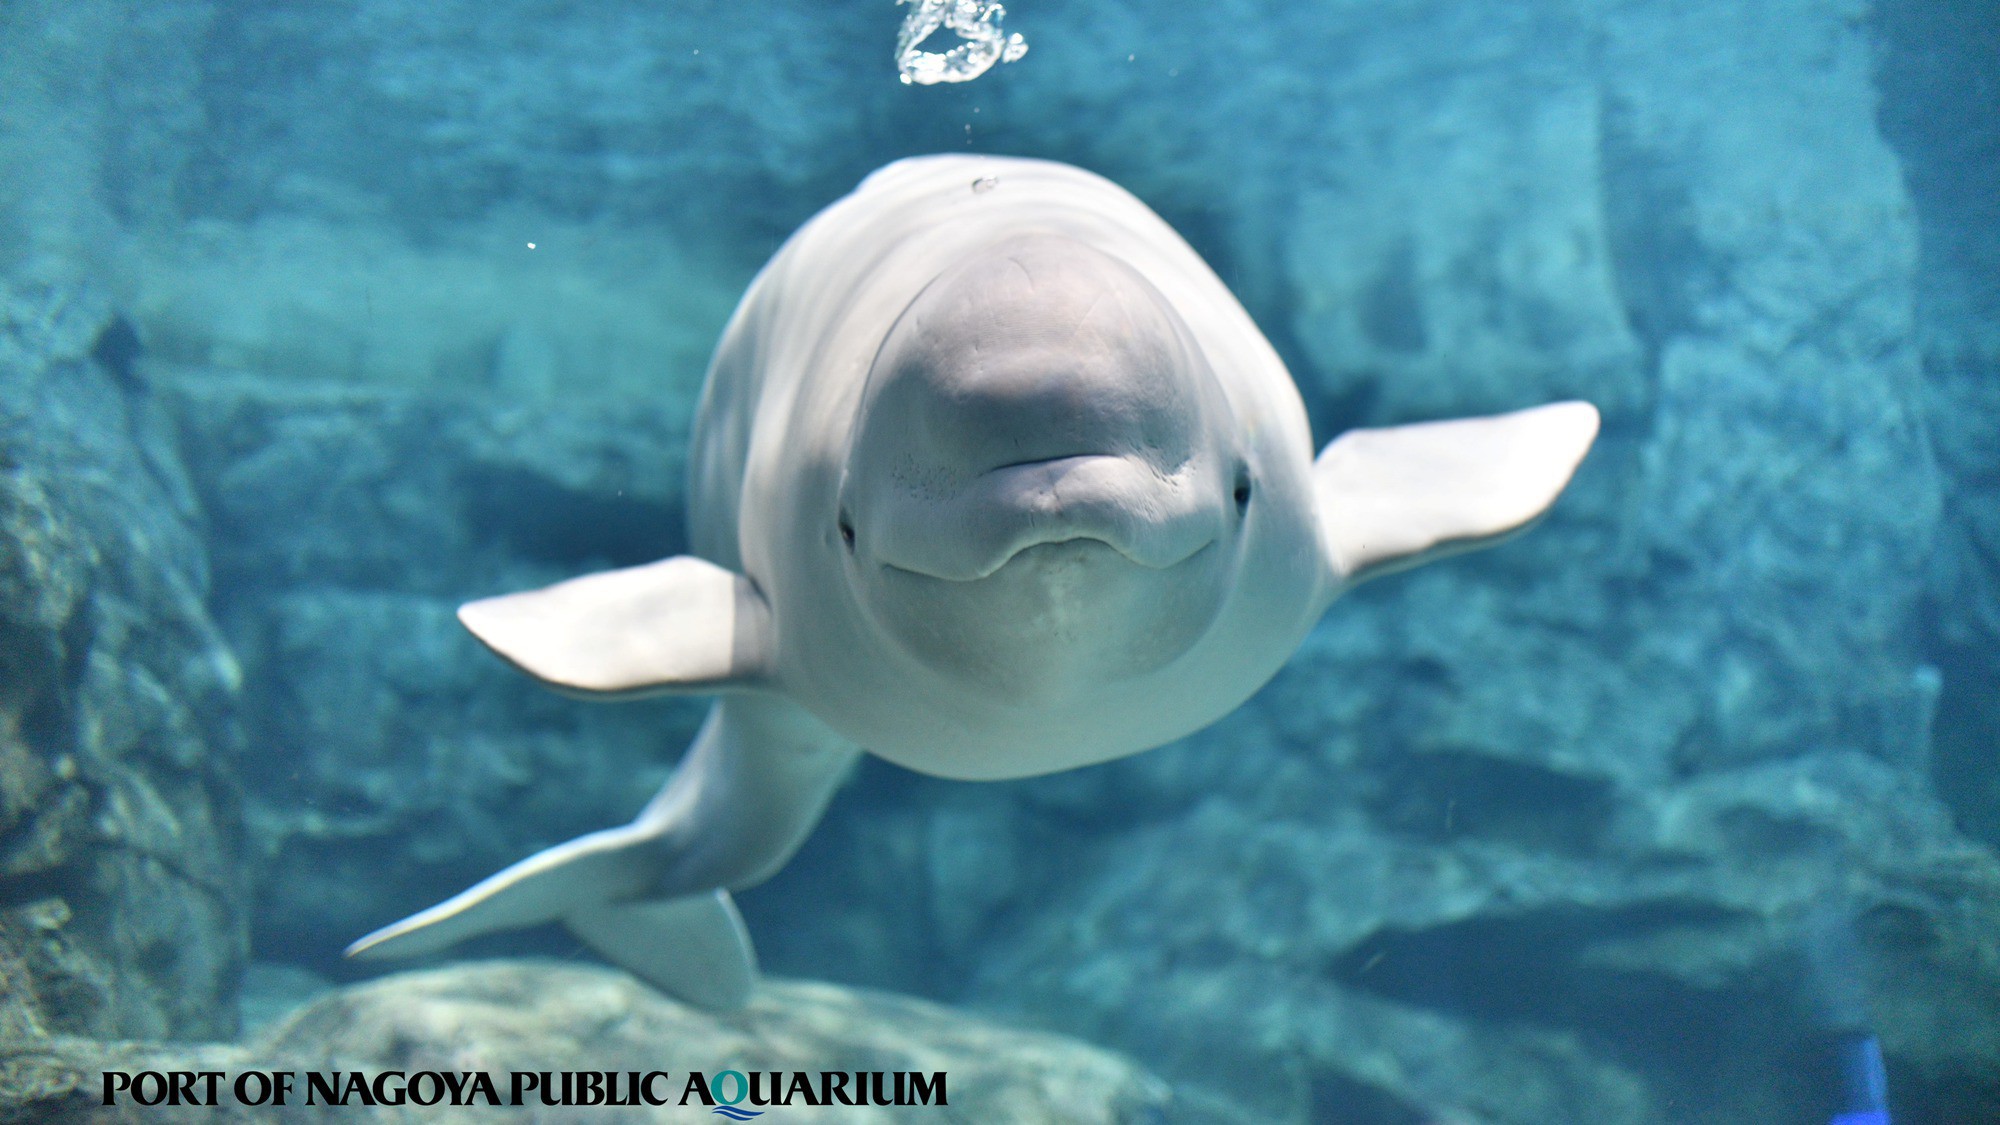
(653, 896)
(608, 866)
(693, 947)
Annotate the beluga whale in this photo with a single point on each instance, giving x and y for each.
(992, 477)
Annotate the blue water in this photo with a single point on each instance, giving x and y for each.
(325, 317)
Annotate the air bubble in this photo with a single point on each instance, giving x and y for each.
(976, 22)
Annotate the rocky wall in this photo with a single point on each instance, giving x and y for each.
(392, 756)
(122, 898)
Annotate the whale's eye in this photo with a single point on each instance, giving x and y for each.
(847, 531)
(1242, 491)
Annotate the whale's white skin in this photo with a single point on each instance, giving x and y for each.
(992, 477)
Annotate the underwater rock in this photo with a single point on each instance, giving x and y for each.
(500, 1017)
(1936, 109)
(386, 488)
(1453, 259)
(121, 901)
(347, 524)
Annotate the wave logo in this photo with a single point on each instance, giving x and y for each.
(729, 1108)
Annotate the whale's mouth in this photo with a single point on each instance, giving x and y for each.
(1075, 540)
(1150, 518)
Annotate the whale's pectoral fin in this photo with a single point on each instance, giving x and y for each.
(1396, 497)
(695, 948)
(681, 624)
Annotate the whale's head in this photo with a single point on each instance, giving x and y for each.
(995, 483)
(1045, 490)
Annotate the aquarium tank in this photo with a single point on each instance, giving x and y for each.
(323, 319)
